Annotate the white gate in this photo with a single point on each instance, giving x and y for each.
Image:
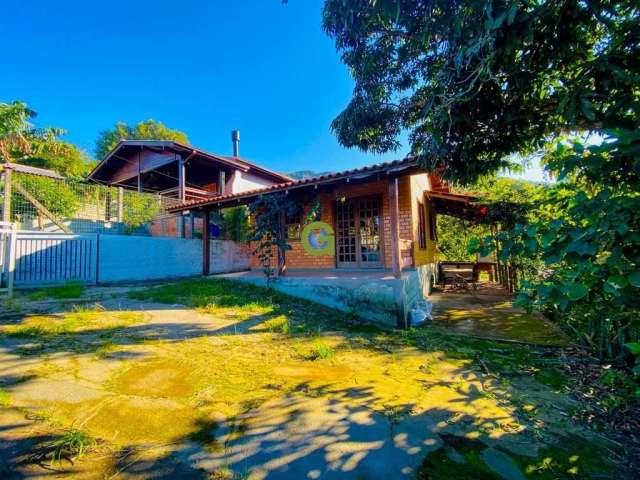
(8, 238)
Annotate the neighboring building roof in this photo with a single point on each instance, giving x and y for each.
(235, 162)
(41, 172)
(257, 167)
(362, 172)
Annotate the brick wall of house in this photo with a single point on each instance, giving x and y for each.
(299, 259)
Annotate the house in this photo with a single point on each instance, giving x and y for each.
(382, 218)
(180, 171)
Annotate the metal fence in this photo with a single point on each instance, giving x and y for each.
(42, 258)
(38, 203)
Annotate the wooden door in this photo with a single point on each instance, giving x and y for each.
(358, 233)
(346, 235)
(369, 238)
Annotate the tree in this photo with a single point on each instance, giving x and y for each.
(586, 231)
(474, 81)
(147, 130)
(21, 142)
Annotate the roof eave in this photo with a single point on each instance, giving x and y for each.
(387, 168)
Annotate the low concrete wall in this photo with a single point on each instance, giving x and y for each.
(371, 299)
(54, 258)
(125, 258)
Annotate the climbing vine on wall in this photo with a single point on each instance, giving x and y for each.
(267, 229)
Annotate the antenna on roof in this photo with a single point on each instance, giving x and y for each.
(235, 138)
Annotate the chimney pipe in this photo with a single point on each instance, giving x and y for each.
(235, 138)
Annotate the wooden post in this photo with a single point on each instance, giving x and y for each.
(206, 243)
(182, 171)
(282, 255)
(394, 210)
(120, 204)
(6, 203)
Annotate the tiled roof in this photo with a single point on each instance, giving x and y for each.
(41, 172)
(236, 162)
(355, 172)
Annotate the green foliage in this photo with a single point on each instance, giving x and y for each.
(147, 130)
(60, 292)
(267, 229)
(72, 444)
(59, 197)
(234, 223)
(586, 234)
(60, 156)
(634, 349)
(474, 82)
(138, 210)
(507, 201)
(454, 236)
(321, 351)
(21, 142)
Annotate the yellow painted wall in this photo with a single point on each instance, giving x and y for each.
(419, 184)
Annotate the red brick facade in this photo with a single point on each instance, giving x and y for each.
(297, 258)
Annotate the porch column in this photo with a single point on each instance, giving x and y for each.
(394, 210)
(282, 255)
(206, 244)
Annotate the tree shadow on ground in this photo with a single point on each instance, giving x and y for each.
(311, 430)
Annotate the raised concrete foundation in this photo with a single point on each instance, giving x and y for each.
(372, 295)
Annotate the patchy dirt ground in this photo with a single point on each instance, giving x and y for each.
(210, 379)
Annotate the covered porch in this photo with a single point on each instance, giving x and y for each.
(167, 168)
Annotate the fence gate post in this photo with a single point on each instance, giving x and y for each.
(13, 236)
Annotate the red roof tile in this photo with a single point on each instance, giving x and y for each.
(385, 166)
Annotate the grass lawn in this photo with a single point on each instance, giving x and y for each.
(213, 379)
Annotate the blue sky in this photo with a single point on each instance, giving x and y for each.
(204, 67)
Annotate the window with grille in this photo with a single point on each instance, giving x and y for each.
(293, 226)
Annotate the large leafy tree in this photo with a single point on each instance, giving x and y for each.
(473, 81)
(21, 142)
(147, 130)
